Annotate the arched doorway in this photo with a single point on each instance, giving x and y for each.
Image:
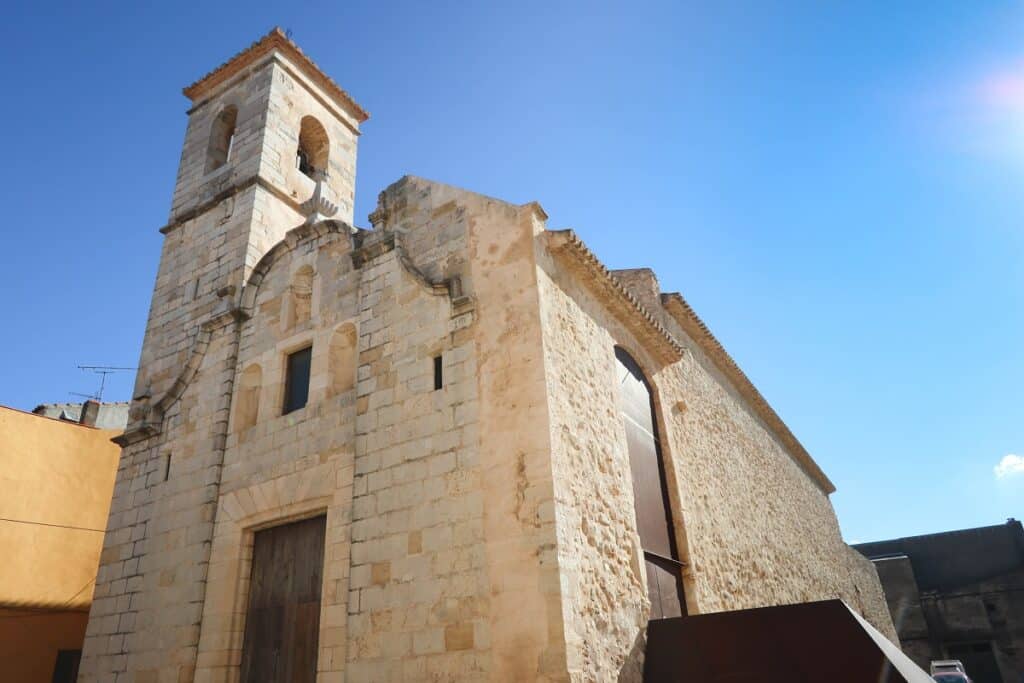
(650, 491)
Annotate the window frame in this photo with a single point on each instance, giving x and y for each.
(289, 379)
(216, 139)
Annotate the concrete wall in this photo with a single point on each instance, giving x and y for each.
(57, 476)
(904, 602)
(30, 641)
(955, 590)
(978, 613)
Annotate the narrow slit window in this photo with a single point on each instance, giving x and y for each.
(438, 373)
(167, 467)
(296, 383)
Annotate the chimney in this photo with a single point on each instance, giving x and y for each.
(90, 411)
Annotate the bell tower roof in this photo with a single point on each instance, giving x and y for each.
(275, 41)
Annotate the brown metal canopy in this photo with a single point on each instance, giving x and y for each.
(814, 642)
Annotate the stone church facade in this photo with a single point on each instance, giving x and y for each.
(454, 446)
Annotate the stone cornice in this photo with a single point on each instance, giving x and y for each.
(364, 251)
(570, 250)
(275, 40)
(185, 216)
(148, 418)
(695, 328)
(537, 210)
(292, 239)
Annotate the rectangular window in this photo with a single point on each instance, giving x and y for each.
(438, 373)
(296, 382)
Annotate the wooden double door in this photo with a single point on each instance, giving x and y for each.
(282, 622)
(650, 491)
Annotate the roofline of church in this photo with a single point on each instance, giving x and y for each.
(275, 40)
(696, 328)
(663, 342)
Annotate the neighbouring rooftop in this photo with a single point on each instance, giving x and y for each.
(110, 415)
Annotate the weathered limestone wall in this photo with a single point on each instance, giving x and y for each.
(144, 623)
(761, 527)
(760, 530)
(153, 568)
(416, 601)
(469, 498)
(870, 594)
(480, 530)
(152, 580)
(195, 186)
(280, 468)
(157, 525)
(524, 583)
(198, 258)
(752, 526)
(599, 555)
(271, 98)
(292, 97)
(223, 221)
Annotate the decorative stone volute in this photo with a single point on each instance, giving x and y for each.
(380, 215)
(318, 207)
(140, 404)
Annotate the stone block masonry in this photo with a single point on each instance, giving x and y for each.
(461, 432)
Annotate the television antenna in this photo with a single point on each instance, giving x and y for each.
(102, 371)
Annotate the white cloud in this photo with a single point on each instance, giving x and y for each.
(1009, 466)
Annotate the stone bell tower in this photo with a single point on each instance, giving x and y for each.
(263, 129)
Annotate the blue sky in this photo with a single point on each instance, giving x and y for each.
(835, 187)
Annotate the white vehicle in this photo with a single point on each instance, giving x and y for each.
(943, 666)
(949, 671)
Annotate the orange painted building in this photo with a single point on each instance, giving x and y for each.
(56, 479)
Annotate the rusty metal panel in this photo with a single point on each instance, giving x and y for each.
(652, 512)
(634, 396)
(665, 586)
(804, 643)
(282, 623)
